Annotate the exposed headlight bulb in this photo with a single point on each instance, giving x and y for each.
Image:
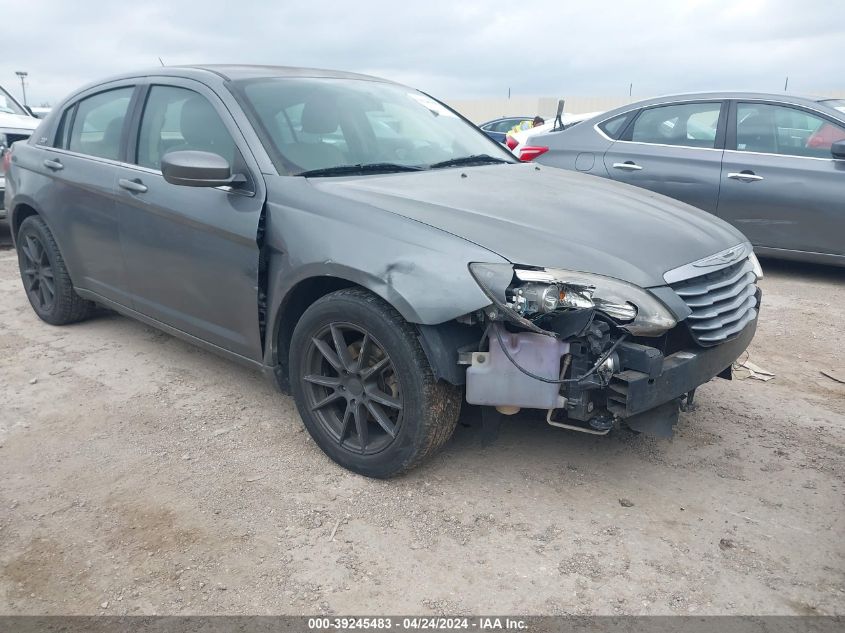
(534, 298)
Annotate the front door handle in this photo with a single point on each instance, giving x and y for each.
(628, 165)
(745, 176)
(53, 163)
(135, 185)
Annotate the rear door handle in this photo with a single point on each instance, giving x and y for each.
(135, 185)
(628, 165)
(745, 176)
(53, 163)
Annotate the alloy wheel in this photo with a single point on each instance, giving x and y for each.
(352, 388)
(37, 271)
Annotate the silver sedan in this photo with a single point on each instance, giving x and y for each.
(771, 165)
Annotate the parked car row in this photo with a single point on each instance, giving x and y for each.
(16, 124)
(771, 165)
(498, 129)
(375, 254)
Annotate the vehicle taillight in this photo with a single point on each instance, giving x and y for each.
(7, 161)
(511, 142)
(530, 152)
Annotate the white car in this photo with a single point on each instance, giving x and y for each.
(517, 142)
(16, 124)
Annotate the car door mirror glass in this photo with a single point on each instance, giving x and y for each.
(192, 168)
(837, 149)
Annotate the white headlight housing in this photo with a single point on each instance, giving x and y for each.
(635, 309)
(756, 267)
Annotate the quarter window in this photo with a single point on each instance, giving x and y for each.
(63, 131)
(178, 119)
(98, 124)
(615, 126)
(774, 129)
(685, 124)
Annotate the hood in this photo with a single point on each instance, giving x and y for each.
(9, 122)
(542, 216)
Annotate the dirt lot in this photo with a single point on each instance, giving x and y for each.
(141, 475)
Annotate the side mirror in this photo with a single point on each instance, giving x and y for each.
(838, 149)
(191, 168)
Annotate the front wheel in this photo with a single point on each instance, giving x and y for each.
(364, 388)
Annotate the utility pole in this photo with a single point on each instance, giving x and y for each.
(786, 83)
(22, 74)
(630, 89)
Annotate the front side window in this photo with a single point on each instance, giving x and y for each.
(320, 124)
(176, 119)
(684, 124)
(98, 124)
(775, 129)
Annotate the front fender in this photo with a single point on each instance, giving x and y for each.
(420, 270)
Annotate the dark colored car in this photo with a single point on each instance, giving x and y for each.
(498, 129)
(771, 165)
(374, 254)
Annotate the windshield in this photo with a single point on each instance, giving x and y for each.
(8, 105)
(837, 104)
(332, 126)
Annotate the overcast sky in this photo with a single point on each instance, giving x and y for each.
(453, 49)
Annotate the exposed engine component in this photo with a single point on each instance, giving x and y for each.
(494, 380)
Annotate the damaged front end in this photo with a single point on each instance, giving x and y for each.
(593, 351)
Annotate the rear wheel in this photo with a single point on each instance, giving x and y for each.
(364, 388)
(45, 277)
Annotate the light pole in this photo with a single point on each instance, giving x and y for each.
(22, 74)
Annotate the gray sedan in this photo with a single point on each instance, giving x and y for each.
(376, 255)
(771, 165)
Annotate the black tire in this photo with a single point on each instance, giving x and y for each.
(45, 278)
(429, 408)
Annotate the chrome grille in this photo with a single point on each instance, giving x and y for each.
(723, 302)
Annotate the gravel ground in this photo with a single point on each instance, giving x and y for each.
(140, 475)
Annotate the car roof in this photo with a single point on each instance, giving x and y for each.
(812, 102)
(808, 99)
(215, 73)
(235, 72)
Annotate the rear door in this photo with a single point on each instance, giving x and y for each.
(674, 149)
(79, 202)
(191, 252)
(780, 184)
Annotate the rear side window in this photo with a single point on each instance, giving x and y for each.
(98, 123)
(683, 124)
(177, 119)
(614, 127)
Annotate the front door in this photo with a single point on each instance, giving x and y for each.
(192, 252)
(780, 184)
(672, 149)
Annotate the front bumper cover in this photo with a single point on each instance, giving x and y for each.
(633, 392)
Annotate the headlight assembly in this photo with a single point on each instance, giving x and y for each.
(756, 267)
(532, 292)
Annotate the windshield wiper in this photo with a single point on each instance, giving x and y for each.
(369, 168)
(475, 159)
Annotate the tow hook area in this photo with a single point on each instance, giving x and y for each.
(657, 422)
